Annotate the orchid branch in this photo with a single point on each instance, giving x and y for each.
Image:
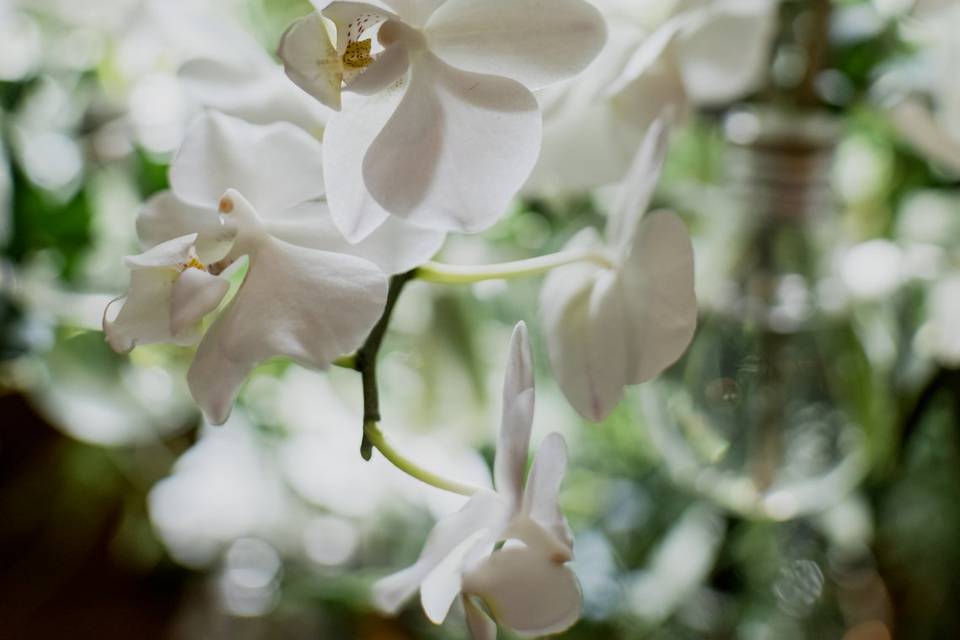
(365, 362)
(375, 437)
(468, 274)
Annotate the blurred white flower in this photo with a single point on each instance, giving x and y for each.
(872, 270)
(679, 565)
(226, 487)
(526, 585)
(624, 321)
(440, 126)
(940, 336)
(928, 115)
(307, 303)
(658, 54)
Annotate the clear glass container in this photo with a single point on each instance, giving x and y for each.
(761, 413)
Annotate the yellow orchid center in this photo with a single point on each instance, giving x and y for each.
(195, 264)
(357, 54)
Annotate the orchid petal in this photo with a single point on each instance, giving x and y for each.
(353, 19)
(152, 277)
(390, 66)
(481, 626)
(535, 42)
(579, 348)
(258, 95)
(169, 254)
(310, 306)
(413, 12)
(596, 133)
(524, 531)
(484, 511)
(518, 400)
(347, 138)
(658, 291)
(915, 122)
(442, 585)
(165, 217)
(275, 167)
(137, 322)
(312, 60)
(728, 53)
(526, 591)
(396, 246)
(457, 149)
(639, 185)
(195, 294)
(542, 492)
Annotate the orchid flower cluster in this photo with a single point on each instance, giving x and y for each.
(272, 243)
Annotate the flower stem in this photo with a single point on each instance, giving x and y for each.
(468, 274)
(378, 441)
(365, 360)
(346, 362)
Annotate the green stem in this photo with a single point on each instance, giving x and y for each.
(365, 360)
(468, 274)
(377, 440)
(346, 362)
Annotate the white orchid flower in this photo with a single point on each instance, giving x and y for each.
(171, 291)
(525, 585)
(280, 170)
(658, 55)
(439, 126)
(246, 191)
(611, 326)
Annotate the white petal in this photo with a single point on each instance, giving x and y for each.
(345, 142)
(535, 42)
(144, 317)
(391, 65)
(524, 531)
(651, 83)
(583, 334)
(914, 121)
(658, 290)
(484, 511)
(442, 585)
(259, 95)
(513, 443)
(195, 294)
(396, 246)
(658, 50)
(728, 54)
(275, 167)
(607, 339)
(310, 306)
(542, 492)
(481, 626)
(457, 149)
(640, 183)
(311, 59)
(597, 133)
(580, 122)
(527, 592)
(164, 217)
(352, 20)
(170, 254)
(414, 12)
